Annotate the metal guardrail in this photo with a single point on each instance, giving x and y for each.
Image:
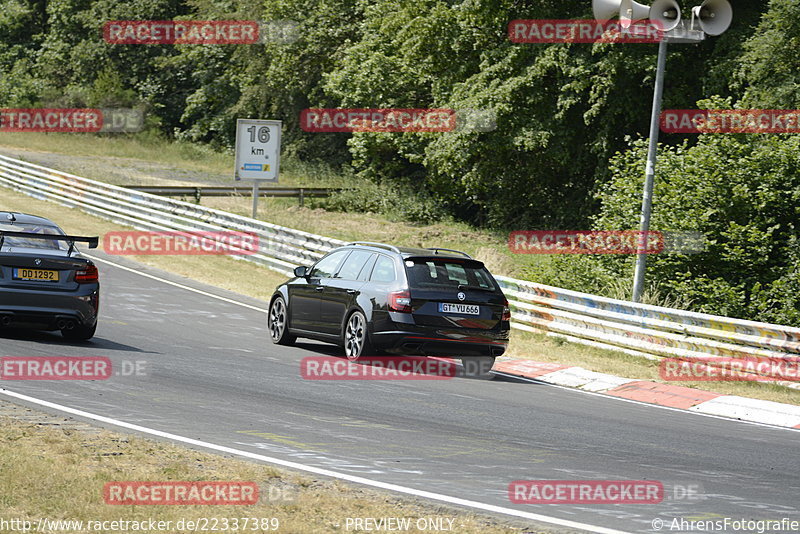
(648, 331)
(198, 192)
(280, 248)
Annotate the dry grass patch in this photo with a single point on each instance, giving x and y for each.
(56, 469)
(489, 247)
(147, 150)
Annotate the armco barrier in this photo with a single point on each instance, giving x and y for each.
(280, 248)
(648, 331)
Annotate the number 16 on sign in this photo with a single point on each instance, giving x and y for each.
(258, 151)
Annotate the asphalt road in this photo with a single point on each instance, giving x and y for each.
(213, 375)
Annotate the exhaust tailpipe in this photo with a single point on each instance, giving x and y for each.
(64, 324)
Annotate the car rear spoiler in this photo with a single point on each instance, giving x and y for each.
(456, 259)
(71, 239)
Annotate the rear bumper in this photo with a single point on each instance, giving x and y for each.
(425, 341)
(44, 309)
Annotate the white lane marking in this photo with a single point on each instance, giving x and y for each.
(641, 403)
(182, 286)
(316, 470)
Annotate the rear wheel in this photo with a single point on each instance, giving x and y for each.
(356, 340)
(277, 323)
(80, 332)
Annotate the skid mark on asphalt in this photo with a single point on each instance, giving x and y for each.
(285, 440)
(351, 422)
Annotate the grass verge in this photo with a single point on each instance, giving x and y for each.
(146, 159)
(56, 468)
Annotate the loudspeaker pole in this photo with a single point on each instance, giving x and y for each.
(714, 18)
(650, 173)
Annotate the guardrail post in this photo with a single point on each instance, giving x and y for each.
(302, 196)
(255, 199)
(197, 195)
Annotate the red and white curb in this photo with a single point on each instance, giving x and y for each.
(695, 400)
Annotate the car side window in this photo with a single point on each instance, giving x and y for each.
(353, 265)
(327, 266)
(383, 270)
(366, 271)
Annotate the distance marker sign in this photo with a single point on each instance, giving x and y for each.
(258, 149)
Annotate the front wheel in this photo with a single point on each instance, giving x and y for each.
(356, 340)
(277, 323)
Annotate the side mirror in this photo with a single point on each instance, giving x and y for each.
(300, 272)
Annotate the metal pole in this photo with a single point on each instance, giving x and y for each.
(255, 199)
(652, 154)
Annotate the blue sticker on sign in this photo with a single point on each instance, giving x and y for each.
(252, 166)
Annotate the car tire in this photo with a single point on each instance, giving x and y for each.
(478, 367)
(80, 332)
(355, 337)
(278, 323)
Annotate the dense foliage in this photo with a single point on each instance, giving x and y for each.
(567, 149)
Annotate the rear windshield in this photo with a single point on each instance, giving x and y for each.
(448, 274)
(23, 242)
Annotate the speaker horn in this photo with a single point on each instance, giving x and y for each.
(714, 16)
(630, 12)
(605, 9)
(667, 13)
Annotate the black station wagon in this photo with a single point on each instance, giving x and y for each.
(374, 298)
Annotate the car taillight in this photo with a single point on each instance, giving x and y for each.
(87, 275)
(506, 311)
(400, 301)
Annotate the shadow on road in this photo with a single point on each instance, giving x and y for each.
(55, 338)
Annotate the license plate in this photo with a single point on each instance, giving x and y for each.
(36, 274)
(462, 309)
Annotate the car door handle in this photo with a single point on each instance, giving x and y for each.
(351, 291)
(319, 288)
